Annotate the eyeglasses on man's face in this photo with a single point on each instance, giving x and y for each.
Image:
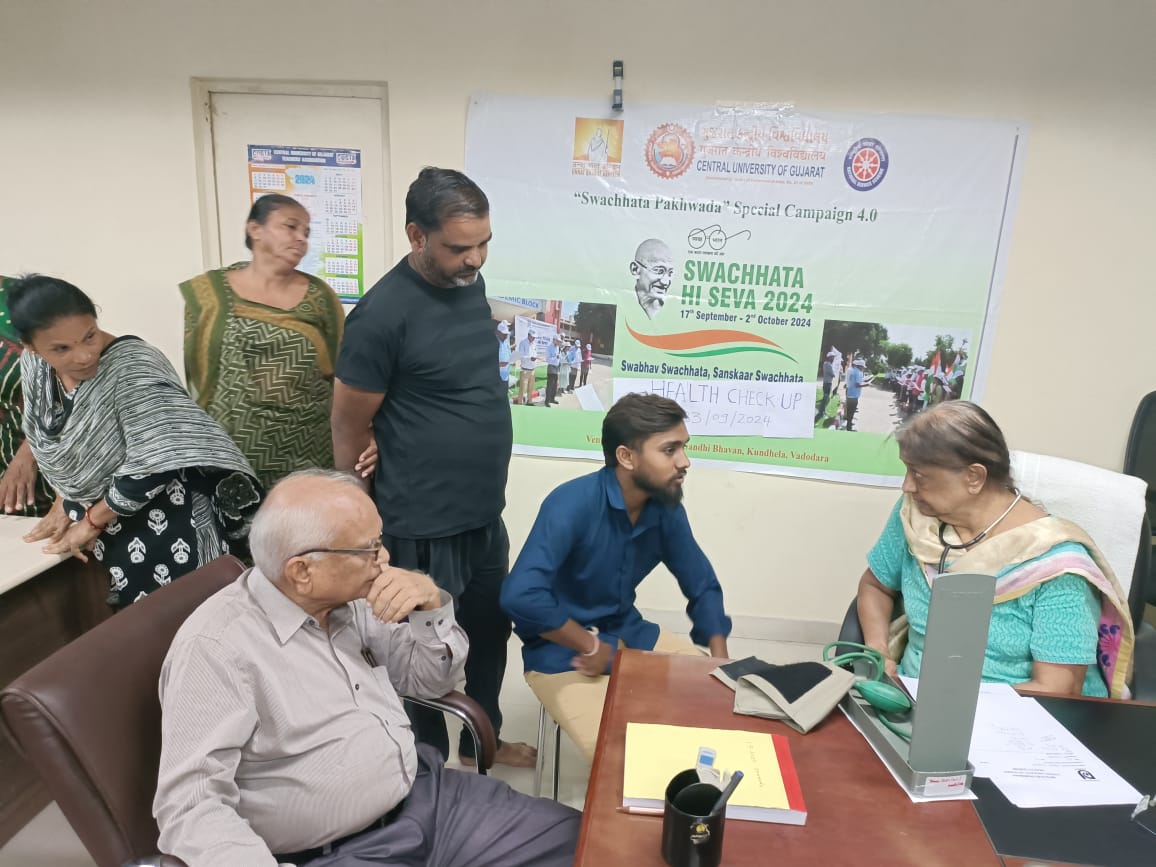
(373, 550)
(660, 271)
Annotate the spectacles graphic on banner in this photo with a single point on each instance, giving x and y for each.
(714, 236)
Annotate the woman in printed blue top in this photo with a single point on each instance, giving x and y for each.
(1059, 623)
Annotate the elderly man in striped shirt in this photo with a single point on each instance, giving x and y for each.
(284, 740)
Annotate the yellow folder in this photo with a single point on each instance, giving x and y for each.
(768, 792)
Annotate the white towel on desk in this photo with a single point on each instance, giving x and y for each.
(1109, 506)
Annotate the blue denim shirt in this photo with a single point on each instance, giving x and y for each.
(584, 560)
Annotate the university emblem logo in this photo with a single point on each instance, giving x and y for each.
(669, 151)
(865, 165)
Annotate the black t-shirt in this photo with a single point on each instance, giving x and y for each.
(443, 430)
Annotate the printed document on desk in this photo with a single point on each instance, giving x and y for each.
(1032, 758)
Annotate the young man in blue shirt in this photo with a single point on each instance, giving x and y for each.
(571, 593)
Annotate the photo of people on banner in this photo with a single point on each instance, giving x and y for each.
(555, 353)
(872, 377)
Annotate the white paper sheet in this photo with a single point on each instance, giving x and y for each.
(1032, 758)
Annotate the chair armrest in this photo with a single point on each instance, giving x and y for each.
(850, 630)
(472, 717)
(1144, 670)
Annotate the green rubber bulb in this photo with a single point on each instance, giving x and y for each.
(884, 696)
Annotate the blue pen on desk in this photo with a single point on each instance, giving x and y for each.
(721, 803)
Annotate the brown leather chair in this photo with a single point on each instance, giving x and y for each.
(88, 719)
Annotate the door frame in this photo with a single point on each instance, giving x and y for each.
(202, 90)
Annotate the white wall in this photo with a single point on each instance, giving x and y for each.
(100, 182)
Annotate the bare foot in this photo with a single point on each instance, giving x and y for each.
(515, 755)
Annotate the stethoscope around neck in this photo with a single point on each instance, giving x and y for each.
(963, 546)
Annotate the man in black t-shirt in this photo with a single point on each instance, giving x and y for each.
(417, 365)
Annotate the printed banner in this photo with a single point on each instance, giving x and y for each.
(327, 181)
(800, 283)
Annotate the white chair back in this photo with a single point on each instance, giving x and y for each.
(1109, 506)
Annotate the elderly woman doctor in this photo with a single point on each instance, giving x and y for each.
(1059, 623)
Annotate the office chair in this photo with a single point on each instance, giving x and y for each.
(1106, 505)
(92, 729)
(1140, 461)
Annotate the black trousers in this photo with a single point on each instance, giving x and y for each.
(851, 404)
(585, 372)
(551, 383)
(470, 566)
(823, 401)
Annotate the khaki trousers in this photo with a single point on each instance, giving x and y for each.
(526, 385)
(575, 700)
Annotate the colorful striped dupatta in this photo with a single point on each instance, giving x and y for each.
(1026, 557)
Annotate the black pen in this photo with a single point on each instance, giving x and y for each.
(721, 803)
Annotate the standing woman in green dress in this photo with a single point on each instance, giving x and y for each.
(23, 491)
(261, 340)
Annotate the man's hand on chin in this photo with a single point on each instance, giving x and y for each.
(397, 592)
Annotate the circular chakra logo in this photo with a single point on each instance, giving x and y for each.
(669, 151)
(865, 165)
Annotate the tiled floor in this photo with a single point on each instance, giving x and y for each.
(48, 841)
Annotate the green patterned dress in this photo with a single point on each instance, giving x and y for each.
(265, 373)
(12, 402)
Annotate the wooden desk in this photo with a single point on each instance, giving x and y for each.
(45, 602)
(857, 814)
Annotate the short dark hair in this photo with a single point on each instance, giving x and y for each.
(953, 435)
(634, 419)
(265, 206)
(443, 194)
(35, 302)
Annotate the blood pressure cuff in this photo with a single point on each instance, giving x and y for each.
(800, 694)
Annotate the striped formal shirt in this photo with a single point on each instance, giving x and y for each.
(278, 735)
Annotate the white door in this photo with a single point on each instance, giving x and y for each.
(330, 128)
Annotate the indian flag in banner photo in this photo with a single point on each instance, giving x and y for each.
(708, 342)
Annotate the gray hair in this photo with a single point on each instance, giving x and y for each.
(283, 529)
(953, 435)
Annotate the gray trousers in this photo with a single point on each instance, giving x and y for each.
(455, 818)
